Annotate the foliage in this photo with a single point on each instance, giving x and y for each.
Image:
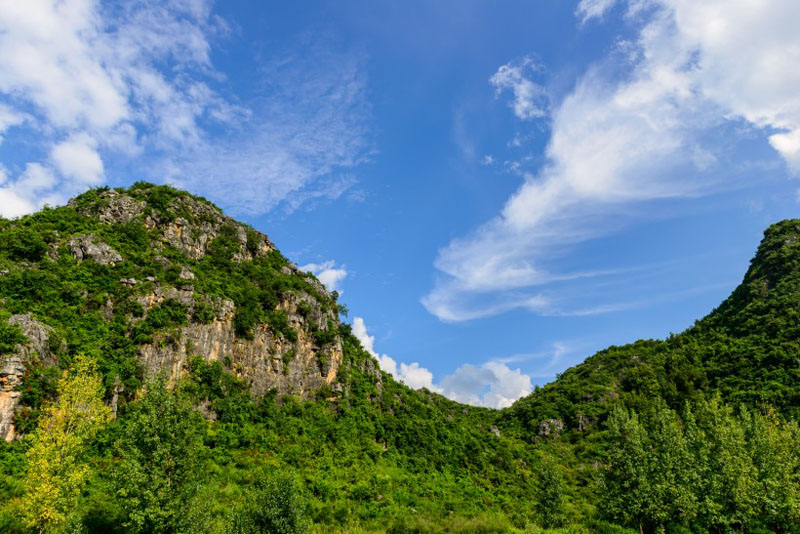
(10, 335)
(709, 468)
(159, 460)
(273, 506)
(57, 463)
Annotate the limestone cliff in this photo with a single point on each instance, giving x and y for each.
(159, 277)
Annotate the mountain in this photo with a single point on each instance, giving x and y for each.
(222, 365)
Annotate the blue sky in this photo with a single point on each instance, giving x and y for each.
(498, 189)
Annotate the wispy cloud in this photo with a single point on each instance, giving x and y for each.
(530, 99)
(84, 83)
(309, 128)
(492, 384)
(621, 143)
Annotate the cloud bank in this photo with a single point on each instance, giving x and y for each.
(621, 142)
(492, 384)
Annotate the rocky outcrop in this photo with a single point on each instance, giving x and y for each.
(551, 428)
(12, 368)
(191, 232)
(87, 247)
(265, 361)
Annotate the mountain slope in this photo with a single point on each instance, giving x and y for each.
(747, 350)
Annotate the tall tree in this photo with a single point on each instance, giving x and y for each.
(57, 470)
(161, 454)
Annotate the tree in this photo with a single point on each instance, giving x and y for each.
(549, 492)
(161, 454)
(57, 470)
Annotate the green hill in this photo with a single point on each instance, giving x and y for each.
(240, 403)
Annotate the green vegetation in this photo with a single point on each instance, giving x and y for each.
(57, 459)
(10, 335)
(695, 433)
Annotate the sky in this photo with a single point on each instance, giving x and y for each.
(496, 189)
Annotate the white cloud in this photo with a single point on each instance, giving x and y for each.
(412, 375)
(308, 129)
(96, 80)
(618, 143)
(77, 158)
(530, 99)
(327, 273)
(88, 77)
(589, 9)
(492, 384)
(9, 118)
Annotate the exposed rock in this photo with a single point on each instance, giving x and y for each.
(118, 208)
(191, 237)
(115, 392)
(551, 427)
(162, 261)
(12, 368)
(186, 274)
(161, 293)
(89, 247)
(11, 373)
(495, 431)
(265, 362)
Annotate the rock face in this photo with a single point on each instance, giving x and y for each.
(88, 247)
(267, 361)
(12, 368)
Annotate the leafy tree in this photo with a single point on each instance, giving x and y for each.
(57, 468)
(161, 454)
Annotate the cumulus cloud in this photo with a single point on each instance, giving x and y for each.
(530, 99)
(77, 158)
(620, 142)
(327, 273)
(9, 118)
(492, 384)
(87, 76)
(412, 375)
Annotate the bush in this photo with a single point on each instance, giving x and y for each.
(10, 335)
(23, 243)
(274, 507)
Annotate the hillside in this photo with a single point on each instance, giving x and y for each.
(746, 349)
(234, 391)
